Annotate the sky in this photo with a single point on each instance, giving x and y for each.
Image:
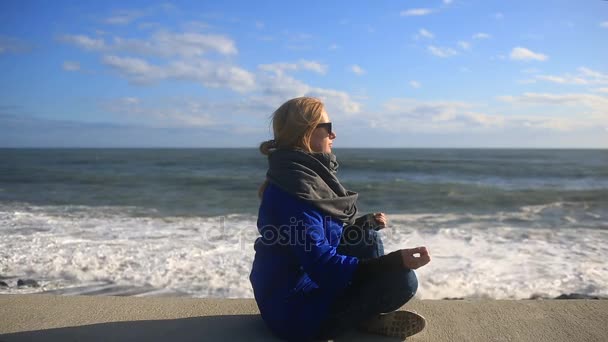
(437, 74)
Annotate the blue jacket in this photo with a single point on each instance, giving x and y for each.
(296, 272)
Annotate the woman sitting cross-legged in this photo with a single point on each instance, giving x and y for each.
(319, 270)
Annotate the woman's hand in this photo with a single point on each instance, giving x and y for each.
(411, 261)
(381, 220)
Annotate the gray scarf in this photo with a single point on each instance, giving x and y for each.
(312, 178)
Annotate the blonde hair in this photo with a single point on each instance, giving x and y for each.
(293, 124)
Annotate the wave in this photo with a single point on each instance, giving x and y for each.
(501, 255)
(403, 196)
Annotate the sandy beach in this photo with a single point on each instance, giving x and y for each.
(105, 318)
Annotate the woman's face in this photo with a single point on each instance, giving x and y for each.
(321, 140)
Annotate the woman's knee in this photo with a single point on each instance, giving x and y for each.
(408, 282)
(402, 288)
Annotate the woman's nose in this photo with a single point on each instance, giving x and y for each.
(332, 136)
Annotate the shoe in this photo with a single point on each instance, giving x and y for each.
(399, 324)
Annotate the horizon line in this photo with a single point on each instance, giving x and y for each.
(339, 148)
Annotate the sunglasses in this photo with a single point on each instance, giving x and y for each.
(327, 126)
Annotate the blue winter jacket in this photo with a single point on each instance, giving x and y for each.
(296, 272)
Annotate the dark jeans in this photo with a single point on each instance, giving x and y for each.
(361, 301)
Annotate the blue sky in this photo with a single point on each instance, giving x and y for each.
(392, 73)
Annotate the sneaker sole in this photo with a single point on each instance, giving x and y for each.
(399, 324)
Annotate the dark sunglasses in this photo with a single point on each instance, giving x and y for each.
(327, 126)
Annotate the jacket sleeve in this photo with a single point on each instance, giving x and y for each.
(304, 225)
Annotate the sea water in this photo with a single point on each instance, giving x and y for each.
(498, 223)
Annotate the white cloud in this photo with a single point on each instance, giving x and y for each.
(71, 66)
(585, 76)
(248, 113)
(584, 112)
(561, 80)
(186, 44)
(333, 47)
(280, 68)
(314, 66)
(124, 17)
(434, 116)
(447, 2)
(357, 69)
(415, 84)
(481, 35)
(423, 33)
(398, 115)
(549, 123)
(336, 101)
(213, 75)
(588, 100)
(464, 45)
(579, 110)
(210, 74)
(279, 87)
(416, 12)
(84, 42)
(162, 43)
(593, 74)
(130, 100)
(137, 69)
(268, 89)
(601, 90)
(276, 85)
(604, 24)
(182, 113)
(498, 15)
(523, 54)
(442, 52)
(271, 84)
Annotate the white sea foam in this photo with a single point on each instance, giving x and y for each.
(503, 262)
(473, 255)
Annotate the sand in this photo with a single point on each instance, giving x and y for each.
(39, 317)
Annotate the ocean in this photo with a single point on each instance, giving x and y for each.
(499, 223)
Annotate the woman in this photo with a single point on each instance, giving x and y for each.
(319, 271)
